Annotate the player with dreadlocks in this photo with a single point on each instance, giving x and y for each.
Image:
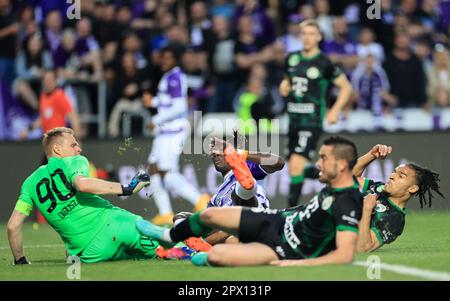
(384, 210)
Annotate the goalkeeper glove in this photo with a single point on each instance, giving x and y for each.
(21, 260)
(139, 181)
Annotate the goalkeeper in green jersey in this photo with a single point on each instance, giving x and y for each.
(90, 226)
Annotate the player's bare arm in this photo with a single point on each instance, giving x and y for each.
(367, 240)
(345, 91)
(378, 151)
(14, 231)
(96, 186)
(345, 249)
(269, 162)
(102, 187)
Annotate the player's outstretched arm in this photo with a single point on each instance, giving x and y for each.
(345, 249)
(379, 151)
(269, 162)
(14, 230)
(367, 240)
(101, 187)
(345, 91)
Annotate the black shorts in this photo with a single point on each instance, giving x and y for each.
(303, 141)
(265, 226)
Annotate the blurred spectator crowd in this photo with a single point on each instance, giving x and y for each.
(234, 54)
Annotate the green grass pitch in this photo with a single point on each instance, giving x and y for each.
(425, 245)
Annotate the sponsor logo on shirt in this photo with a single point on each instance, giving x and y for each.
(327, 202)
(380, 208)
(312, 73)
(350, 220)
(289, 233)
(294, 60)
(300, 108)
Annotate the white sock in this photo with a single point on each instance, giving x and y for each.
(178, 221)
(160, 195)
(166, 235)
(244, 193)
(179, 184)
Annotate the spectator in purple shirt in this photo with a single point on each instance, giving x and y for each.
(88, 50)
(65, 58)
(341, 50)
(262, 25)
(445, 17)
(371, 88)
(53, 30)
(249, 49)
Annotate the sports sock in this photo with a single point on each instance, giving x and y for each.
(179, 184)
(160, 195)
(189, 227)
(244, 193)
(295, 190)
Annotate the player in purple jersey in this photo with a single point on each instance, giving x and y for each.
(171, 128)
(233, 193)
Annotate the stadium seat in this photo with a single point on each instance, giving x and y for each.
(334, 128)
(416, 120)
(390, 122)
(360, 120)
(445, 119)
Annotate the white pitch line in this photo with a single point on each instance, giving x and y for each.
(36, 247)
(410, 271)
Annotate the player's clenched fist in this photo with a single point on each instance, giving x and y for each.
(139, 181)
(381, 151)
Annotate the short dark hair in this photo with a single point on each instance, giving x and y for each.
(176, 49)
(428, 181)
(343, 149)
(52, 135)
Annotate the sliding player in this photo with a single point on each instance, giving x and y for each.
(323, 232)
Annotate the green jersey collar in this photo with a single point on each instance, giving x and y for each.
(310, 58)
(404, 210)
(355, 185)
